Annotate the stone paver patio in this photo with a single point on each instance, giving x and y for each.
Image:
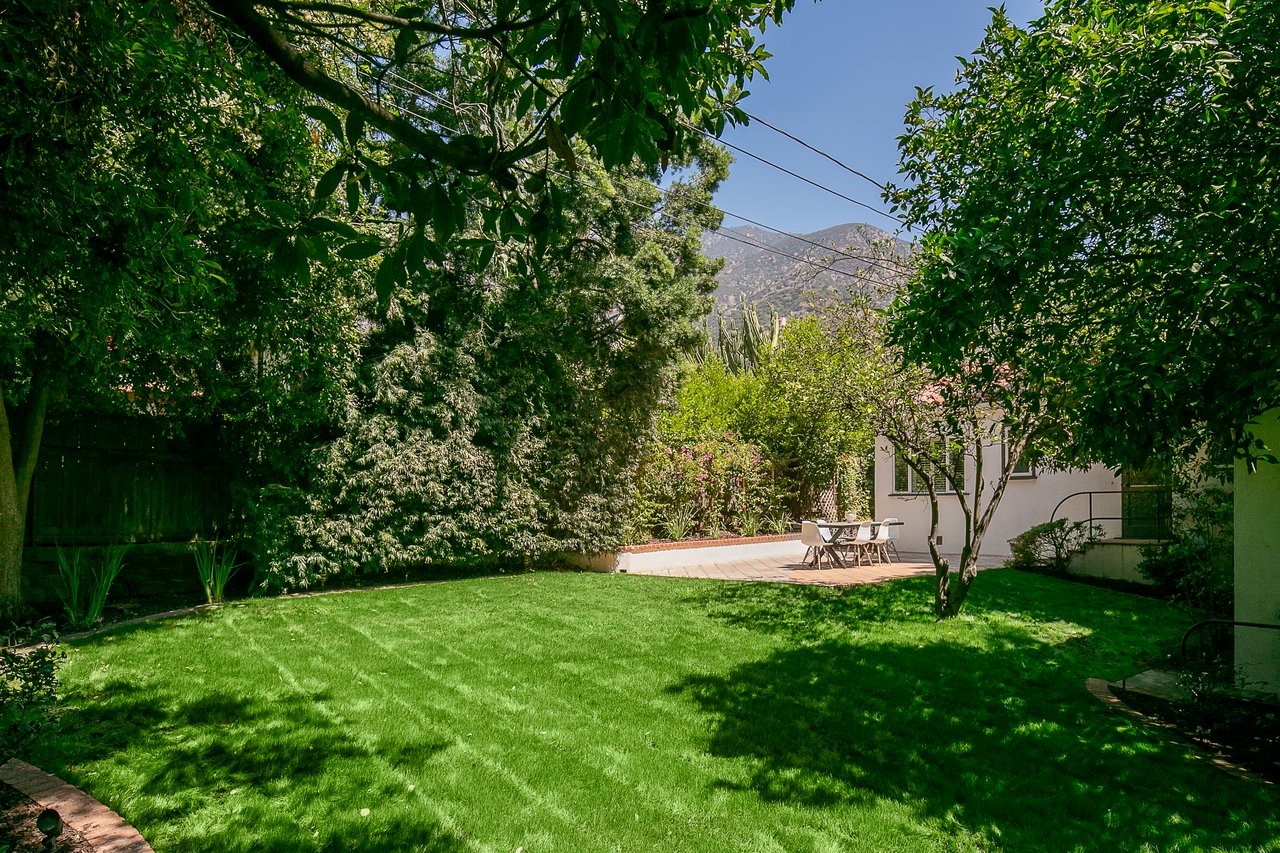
(791, 569)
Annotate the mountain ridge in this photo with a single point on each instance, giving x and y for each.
(791, 274)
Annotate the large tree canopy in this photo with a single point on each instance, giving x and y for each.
(149, 170)
(477, 96)
(1102, 208)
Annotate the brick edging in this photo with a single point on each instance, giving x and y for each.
(1101, 689)
(102, 828)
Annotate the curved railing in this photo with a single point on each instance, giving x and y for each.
(1204, 623)
(1159, 519)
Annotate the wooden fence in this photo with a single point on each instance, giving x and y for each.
(106, 479)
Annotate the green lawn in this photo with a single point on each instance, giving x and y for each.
(575, 712)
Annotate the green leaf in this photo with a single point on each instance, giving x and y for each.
(406, 40)
(571, 33)
(334, 226)
(325, 116)
(355, 128)
(422, 202)
(329, 181)
(279, 210)
(560, 144)
(353, 195)
(442, 213)
(360, 250)
(390, 273)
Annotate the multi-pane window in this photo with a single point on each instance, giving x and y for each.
(1022, 469)
(906, 480)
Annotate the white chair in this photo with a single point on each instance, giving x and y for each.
(860, 545)
(894, 534)
(880, 543)
(811, 535)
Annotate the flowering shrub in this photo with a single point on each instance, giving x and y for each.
(715, 485)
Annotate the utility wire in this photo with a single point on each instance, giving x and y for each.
(737, 238)
(815, 150)
(795, 175)
(417, 92)
(873, 262)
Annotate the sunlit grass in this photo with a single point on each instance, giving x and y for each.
(588, 712)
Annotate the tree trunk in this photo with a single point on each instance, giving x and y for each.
(18, 455)
(12, 523)
(958, 589)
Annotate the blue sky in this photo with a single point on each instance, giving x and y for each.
(841, 76)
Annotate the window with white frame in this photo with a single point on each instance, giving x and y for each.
(906, 480)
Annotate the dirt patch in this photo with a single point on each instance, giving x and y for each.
(18, 833)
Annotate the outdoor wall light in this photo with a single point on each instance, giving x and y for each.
(49, 822)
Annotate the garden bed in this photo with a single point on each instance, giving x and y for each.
(1244, 733)
(671, 545)
(690, 552)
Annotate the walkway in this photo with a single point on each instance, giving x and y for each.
(790, 568)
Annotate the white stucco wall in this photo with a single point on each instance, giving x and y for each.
(1026, 503)
(1257, 535)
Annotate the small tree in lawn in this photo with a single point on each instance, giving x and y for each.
(945, 428)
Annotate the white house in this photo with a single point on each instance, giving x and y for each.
(1030, 498)
(1257, 581)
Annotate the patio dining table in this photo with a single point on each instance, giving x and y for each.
(842, 534)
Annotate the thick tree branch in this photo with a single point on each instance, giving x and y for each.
(419, 25)
(307, 75)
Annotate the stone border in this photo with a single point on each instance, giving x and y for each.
(102, 828)
(1101, 689)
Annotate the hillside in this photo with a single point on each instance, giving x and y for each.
(793, 286)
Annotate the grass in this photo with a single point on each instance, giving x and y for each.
(589, 712)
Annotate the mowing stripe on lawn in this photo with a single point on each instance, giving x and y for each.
(292, 681)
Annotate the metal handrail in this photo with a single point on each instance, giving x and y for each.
(1236, 622)
(1157, 518)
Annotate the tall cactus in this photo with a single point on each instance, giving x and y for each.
(743, 346)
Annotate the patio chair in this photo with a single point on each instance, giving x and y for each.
(894, 534)
(860, 545)
(880, 542)
(811, 536)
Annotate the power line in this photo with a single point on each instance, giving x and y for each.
(418, 92)
(815, 150)
(795, 175)
(765, 248)
(729, 145)
(873, 262)
(647, 208)
(863, 258)
(381, 81)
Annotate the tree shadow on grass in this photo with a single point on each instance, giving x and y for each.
(185, 754)
(937, 727)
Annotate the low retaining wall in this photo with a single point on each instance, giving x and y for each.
(1113, 559)
(666, 554)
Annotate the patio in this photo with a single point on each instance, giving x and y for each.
(787, 568)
